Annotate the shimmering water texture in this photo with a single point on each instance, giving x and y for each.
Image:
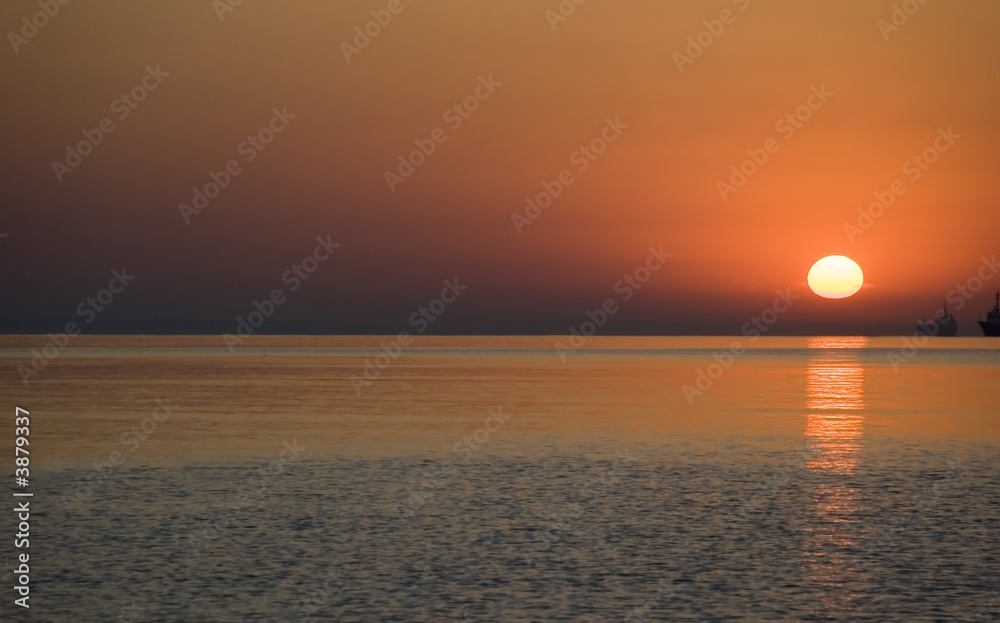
(484, 479)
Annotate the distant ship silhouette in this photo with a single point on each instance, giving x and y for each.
(991, 326)
(942, 324)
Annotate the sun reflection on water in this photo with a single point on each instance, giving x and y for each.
(835, 405)
(834, 402)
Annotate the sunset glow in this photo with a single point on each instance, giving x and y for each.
(541, 310)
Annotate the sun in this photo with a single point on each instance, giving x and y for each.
(835, 277)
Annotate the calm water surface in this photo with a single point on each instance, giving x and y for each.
(485, 479)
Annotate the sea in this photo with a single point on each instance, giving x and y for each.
(521, 479)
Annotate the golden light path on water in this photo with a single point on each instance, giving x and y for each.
(711, 502)
(835, 404)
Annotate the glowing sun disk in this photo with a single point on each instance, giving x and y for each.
(835, 277)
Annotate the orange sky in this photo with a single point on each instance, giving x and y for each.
(656, 183)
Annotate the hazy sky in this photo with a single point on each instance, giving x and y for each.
(670, 116)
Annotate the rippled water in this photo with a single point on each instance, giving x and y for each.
(811, 480)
